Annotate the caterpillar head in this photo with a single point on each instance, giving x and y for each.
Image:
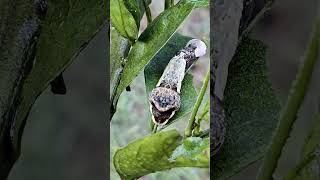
(164, 103)
(199, 47)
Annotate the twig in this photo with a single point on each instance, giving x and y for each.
(289, 112)
(295, 172)
(148, 12)
(189, 127)
(309, 157)
(205, 111)
(204, 133)
(151, 124)
(168, 4)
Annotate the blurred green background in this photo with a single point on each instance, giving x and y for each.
(131, 121)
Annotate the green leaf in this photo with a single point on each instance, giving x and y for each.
(309, 164)
(67, 29)
(155, 68)
(152, 40)
(160, 151)
(251, 111)
(199, 3)
(136, 8)
(119, 48)
(123, 20)
(194, 148)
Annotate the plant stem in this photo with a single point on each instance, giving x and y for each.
(151, 124)
(311, 155)
(168, 4)
(295, 172)
(148, 12)
(189, 127)
(289, 112)
(201, 117)
(205, 110)
(154, 130)
(205, 133)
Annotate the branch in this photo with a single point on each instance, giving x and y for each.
(202, 116)
(148, 12)
(168, 4)
(302, 164)
(203, 89)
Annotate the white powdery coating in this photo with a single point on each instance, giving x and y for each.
(201, 47)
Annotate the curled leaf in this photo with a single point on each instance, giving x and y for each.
(160, 151)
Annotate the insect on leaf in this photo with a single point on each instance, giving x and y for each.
(155, 68)
(251, 111)
(158, 32)
(123, 20)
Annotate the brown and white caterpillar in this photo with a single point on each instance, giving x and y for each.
(165, 97)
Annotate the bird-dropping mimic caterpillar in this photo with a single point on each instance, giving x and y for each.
(165, 98)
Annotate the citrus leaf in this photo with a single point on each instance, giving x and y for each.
(160, 151)
(158, 32)
(119, 47)
(67, 29)
(200, 3)
(155, 68)
(123, 20)
(20, 25)
(194, 148)
(251, 111)
(136, 8)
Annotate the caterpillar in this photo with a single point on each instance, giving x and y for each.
(165, 99)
